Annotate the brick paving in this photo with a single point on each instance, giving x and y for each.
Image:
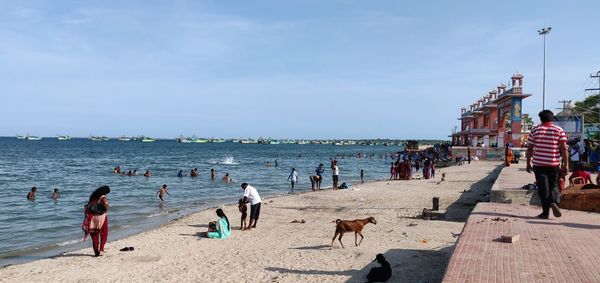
(566, 249)
(514, 177)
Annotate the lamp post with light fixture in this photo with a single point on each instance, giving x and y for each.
(543, 32)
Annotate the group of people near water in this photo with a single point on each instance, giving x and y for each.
(95, 222)
(193, 173)
(403, 170)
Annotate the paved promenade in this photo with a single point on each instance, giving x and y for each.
(566, 249)
(507, 189)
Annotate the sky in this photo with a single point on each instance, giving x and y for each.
(281, 69)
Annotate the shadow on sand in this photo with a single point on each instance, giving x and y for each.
(407, 266)
(479, 191)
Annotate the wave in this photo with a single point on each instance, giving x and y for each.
(69, 242)
(157, 214)
(228, 160)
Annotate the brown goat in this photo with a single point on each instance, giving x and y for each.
(356, 226)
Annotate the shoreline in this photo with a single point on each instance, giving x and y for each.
(280, 251)
(35, 253)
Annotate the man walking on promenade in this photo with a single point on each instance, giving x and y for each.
(251, 195)
(547, 144)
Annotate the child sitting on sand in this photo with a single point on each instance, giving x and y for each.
(244, 210)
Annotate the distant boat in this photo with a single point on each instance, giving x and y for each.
(183, 139)
(217, 140)
(99, 138)
(302, 142)
(200, 140)
(21, 137)
(124, 138)
(33, 138)
(246, 141)
(63, 138)
(148, 140)
(274, 142)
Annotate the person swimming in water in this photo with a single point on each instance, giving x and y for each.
(213, 174)
(226, 178)
(147, 174)
(55, 194)
(31, 194)
(180, 174)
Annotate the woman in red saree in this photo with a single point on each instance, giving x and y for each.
(95, 222)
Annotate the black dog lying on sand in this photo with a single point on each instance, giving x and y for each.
(382, 273)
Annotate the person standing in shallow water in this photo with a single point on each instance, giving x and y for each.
(362, 176)
(336, 174)
(95, 222)
(293, 178)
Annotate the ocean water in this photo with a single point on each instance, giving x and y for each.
(79, 166)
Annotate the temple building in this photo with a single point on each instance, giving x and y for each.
(495, 119)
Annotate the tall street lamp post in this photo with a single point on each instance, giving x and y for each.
(543, 32)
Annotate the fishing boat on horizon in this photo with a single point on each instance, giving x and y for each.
(124, 138)
(99, 138)
(148, 139)
(63, 138)
(19, 137)
(183, 139)
(33, 138)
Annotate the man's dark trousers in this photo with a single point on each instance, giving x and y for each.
(547, 183)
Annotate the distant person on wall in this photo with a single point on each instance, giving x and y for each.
(547, 148)
(293, 178)
(336, 174)
(95, 222)
(251, 195)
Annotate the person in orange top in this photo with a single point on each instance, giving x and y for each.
(508, 155)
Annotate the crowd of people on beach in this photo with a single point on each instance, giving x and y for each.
(95, 223)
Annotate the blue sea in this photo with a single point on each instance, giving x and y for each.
(30, 229)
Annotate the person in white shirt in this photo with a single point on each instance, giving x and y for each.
(293, 178)
(251, 195)
(336, 174)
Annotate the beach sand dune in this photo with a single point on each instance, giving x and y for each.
(282, 251)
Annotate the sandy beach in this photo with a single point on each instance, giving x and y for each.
(281, 251)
